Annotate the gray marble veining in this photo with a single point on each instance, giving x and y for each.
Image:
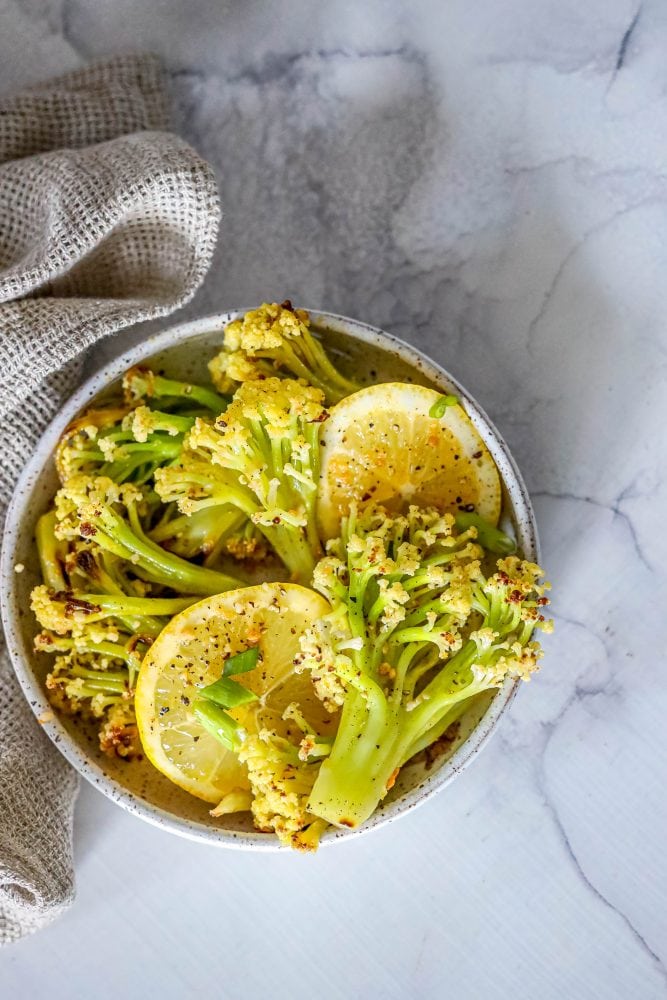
(488, 181)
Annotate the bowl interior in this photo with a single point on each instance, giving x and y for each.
(183, 352)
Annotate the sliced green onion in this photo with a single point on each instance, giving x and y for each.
(220, 725)
(490, 538)
(441, 405)
(242, 662)
(227, 693)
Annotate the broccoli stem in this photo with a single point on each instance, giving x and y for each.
(489, 537)
(316, 369)
(376, 736)
(354, 777)
(305, 357)
(435, 732)
(109, 581)
(138, 606)
(292, 548)
(141, 383)
(129, 541)
(372, 744)
(160, 448)
(95, 682)
(50, 550)
(208, 398)
(105, 650)
(174, 424)
(334, 384)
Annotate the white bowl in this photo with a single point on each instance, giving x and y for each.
(182, 351)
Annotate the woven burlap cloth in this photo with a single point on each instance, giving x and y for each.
(105, 219)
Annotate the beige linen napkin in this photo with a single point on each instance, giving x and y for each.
(105, 220)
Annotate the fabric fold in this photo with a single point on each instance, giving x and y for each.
(106, 220)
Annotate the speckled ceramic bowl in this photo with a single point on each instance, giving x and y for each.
(182, 351)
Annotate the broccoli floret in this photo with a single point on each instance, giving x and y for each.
(144, 423)
(281, 783)
(416, 630)
(109, 514)
(81, 685)
(276, 337)
(141, 384)
(93, 608)
(215, 507)
(262, 457)
(104, 637)
(195, 485)
(68, 611)
(101, 626)
(81, 689)
(99, 694)
(127, 443)
(91, 571)
(77, 450)
(125, 446)
(101, 634)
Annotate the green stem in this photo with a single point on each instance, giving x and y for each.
(436, 731)
(138, 606)
(164, 567)
(489, 537)
(50, 550)
(206, 397)
(292, 548)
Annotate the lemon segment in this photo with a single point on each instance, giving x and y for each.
(381, 445)
(190, 653)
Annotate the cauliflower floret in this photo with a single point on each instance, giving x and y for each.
(228, 368)
(393, 597)
(272, 338)
(141, 422)
(321, 654)
(281, 784)
(58, 613)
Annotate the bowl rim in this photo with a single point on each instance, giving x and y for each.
(31, 687)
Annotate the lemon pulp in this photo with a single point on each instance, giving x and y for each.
(191, 652)
(381, 445)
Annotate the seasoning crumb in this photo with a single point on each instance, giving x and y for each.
(19, 567)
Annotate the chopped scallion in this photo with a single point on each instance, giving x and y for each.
(441, 405)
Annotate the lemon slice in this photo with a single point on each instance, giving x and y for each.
(381, 445)
(191, 652)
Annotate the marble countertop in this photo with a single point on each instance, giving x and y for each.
(488, 181)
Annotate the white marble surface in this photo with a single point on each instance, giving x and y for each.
(488, 180)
